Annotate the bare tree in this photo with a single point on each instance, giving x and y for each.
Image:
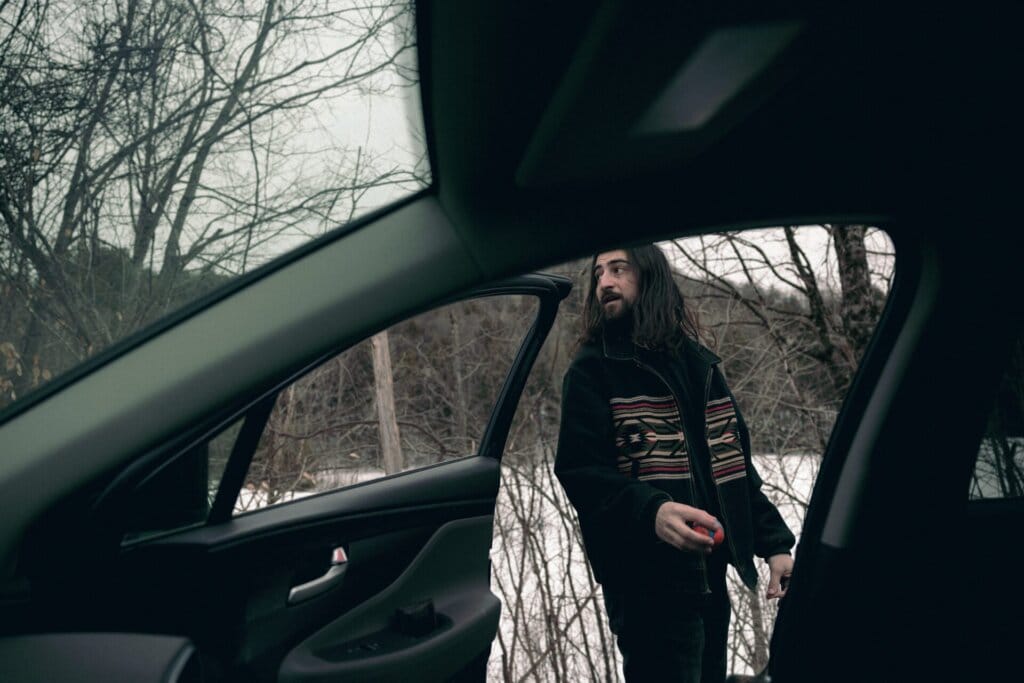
(384, 397)
(150, 148)
(390, 403)
(999, 469)
(795, 308)
(790, 323)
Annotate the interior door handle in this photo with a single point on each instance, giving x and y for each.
(334, 575)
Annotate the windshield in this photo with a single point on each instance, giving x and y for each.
(151, 152)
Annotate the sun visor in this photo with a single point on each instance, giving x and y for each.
(651, 86)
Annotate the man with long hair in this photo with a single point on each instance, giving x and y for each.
(655, 457)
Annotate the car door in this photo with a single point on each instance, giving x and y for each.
(907, 562)
(386, 579)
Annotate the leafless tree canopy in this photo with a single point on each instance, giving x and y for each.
(150, 149)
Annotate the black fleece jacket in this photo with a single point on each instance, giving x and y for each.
(640, 428)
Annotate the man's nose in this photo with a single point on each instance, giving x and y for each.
(604, 282)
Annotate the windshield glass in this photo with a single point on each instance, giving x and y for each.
(151, 152)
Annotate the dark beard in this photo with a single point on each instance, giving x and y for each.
(619, 327)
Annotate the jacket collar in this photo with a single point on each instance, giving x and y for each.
(622, 347)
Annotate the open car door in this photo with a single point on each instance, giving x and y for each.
(382, 576)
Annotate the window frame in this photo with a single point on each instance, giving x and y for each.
(111, 505)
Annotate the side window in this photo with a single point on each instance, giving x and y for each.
(179, 494)
(999, 469)
(414, 395)
(790, 311)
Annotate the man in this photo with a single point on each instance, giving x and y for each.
(652, 445)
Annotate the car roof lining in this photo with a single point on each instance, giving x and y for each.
(489, 99)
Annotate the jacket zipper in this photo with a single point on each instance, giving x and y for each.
(711, 462)
(702, 562)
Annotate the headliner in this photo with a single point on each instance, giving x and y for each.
(529, 106)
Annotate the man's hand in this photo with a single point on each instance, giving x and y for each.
(671, 526)
(780, 566)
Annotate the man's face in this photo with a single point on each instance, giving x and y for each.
(617, 284)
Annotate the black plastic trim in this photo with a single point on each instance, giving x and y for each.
(238, 462)
(471, 481)
(492, 444)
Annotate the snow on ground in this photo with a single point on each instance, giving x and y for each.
(255, 497)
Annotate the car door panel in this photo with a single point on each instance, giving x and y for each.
(233, 599)
(262, 593)
(369, 643)
(98, 658)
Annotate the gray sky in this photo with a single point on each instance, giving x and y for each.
(813, 239)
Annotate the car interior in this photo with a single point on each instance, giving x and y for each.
(555, 130)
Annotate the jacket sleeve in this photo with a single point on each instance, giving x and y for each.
(771, 534)
(585, 462)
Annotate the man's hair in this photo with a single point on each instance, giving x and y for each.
(661, 320)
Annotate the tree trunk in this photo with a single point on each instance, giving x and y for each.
(818, 314)
(384, 393)
(761, 637)
(860, 308)
(462, 419)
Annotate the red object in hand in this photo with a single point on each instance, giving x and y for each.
(717, 535)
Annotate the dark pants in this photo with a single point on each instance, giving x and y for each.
(672, 637)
